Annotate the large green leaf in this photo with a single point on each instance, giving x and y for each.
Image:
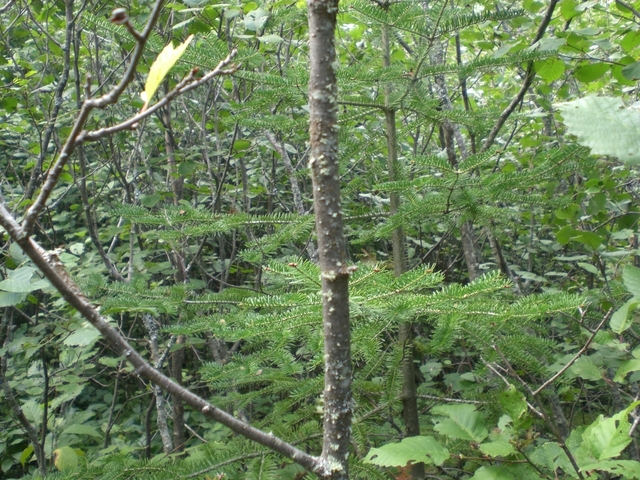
(605, 125)
(622, 318)
(552, 456)
(413, 449)
(498, 448)
(492, 473)
(463, 422)
(631, 279)
(513, 402)
(19, 281)
(65, 458)
(632, 365)
(9, 299)
(586, 369)
(627, 469)
(608, 437)
(83, 336)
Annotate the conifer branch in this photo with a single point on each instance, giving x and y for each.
(52, 269)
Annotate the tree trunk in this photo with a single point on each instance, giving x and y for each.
(323, 162)
(405, 334)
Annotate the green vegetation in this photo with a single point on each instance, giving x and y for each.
(489, 192)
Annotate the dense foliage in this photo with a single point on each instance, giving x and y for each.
(497, 258)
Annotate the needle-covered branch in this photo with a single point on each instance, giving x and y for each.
(52, 269)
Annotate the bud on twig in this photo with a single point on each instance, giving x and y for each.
(119, 16)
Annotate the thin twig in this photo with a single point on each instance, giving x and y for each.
(628, 7)
(528, 79)
(577, 355)
(109, 98)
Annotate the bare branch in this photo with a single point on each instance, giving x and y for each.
(526, 83)
(628, 7)
(577, 355)
(88, 105)
(7, 6)
(187, 84)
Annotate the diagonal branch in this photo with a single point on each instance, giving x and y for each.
(577, 355)
(526, 83)
(52, 269)
(186, 85)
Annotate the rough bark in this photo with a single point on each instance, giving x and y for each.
(323, 162)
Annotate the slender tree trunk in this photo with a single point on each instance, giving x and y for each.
(405, 334)
(177, 359)
(175, 178)
(163, 428)
(453, 137)
(323, 162)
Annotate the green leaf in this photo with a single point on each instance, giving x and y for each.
(163, 63)
(241, 144)
(76, 248)
(499, 448)
(591, 72)
(586, 369)
(492, 473)
(412, 449)
(25, 455)
(566, 234)
(150, 200)
(19, 280)
(86, 335)
(109, 361)
(513, 402)
(463, 422)
(187, 168)
(551, 456)
(256, 19)
(608, 437)
(65, 458)
(632, 365)
(589, 268)
(605, 125)
(550, 69)
(627, 469)
(631, 279)
(632, 71)
(270, 39)
(78, 429)
(621, 320)
(9, 299)
(590, 239)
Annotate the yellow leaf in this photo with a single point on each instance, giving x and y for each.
(65, 458)
(167, 59)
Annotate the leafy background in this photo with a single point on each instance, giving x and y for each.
(194, 230)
